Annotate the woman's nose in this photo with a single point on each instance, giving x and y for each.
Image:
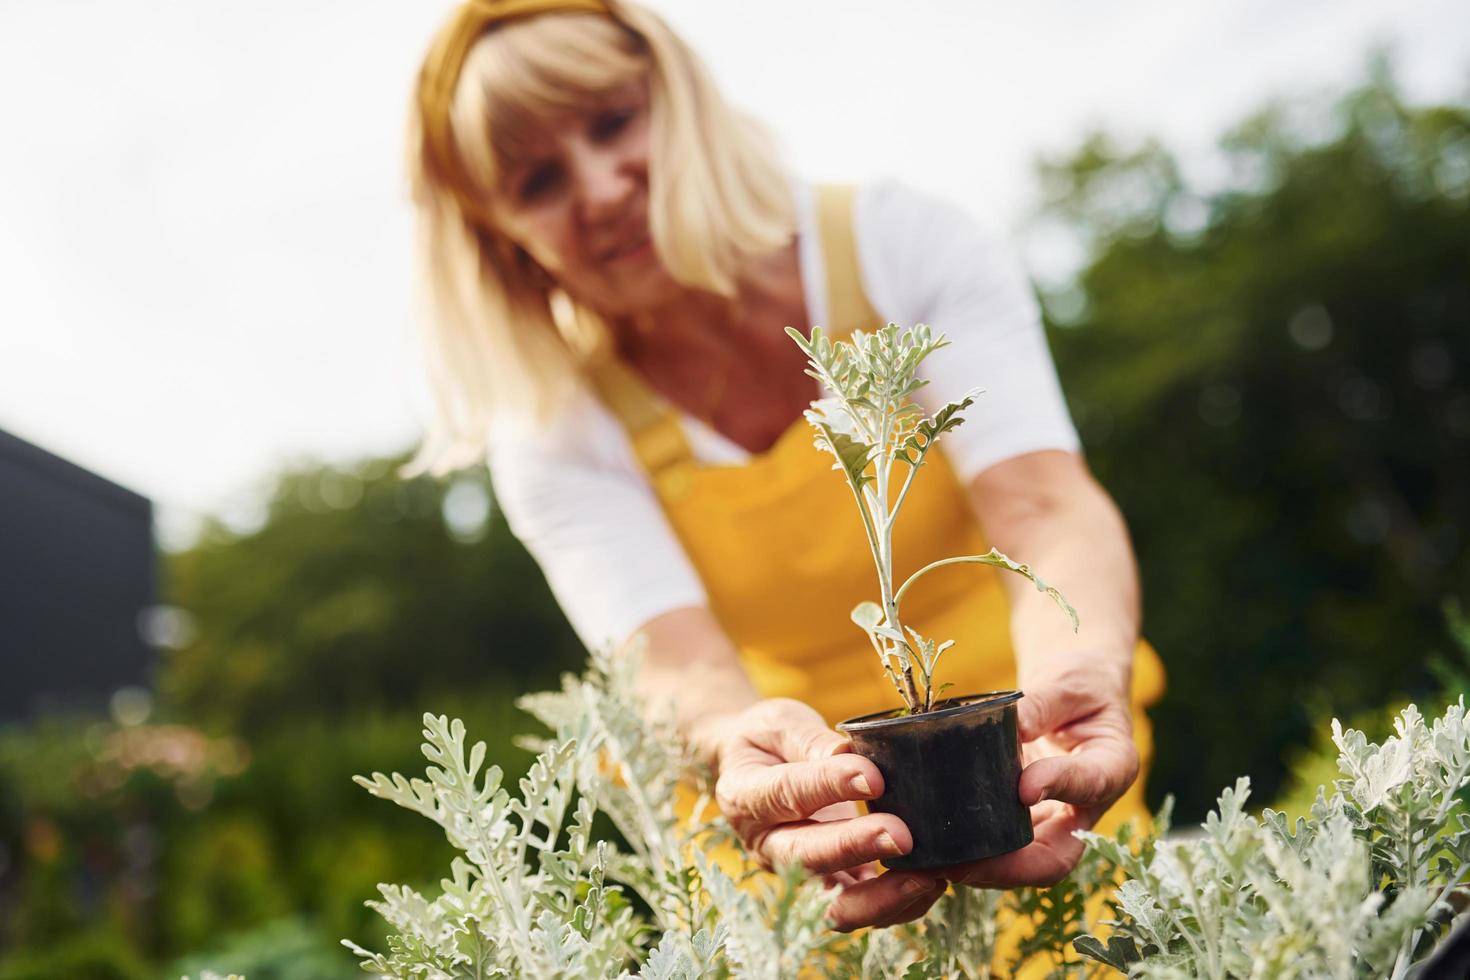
(601, 184)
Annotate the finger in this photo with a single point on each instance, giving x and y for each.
(824, 846)
(838, 811)
(812, 743)
(1069, 715)
(871, 902)
(916, 909)
(1040, 712)
(1093, 775)
(1049, 858)
(793, 731)
(852, 876)
(771, 794)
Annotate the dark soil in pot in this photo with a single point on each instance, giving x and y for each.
(952, 775)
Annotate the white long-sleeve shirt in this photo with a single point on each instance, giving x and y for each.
(576, 496)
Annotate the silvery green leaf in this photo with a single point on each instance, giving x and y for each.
(1137, 903)
(867, 615)
(923, 645)
(670, 960)
(1163, 819)
(885, 954)
(1296, 836)
(1226, 820)
(1379, 774)
(1324, 806)
(802, 341)
(925, 969)
(930, 429)
(833, 414)
(889, 633)
(478, 956)
(707, 945)
(1388, 932)
(995, 559)
(932, 654)
(751, 947)
(853, 455)
(1120, 953)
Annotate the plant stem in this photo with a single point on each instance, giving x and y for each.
(868, 529)
(882, 561)
(1206, 924)
(929, 568)
(908, 481)
(910, 690)
(880, 520)
(1401, 965)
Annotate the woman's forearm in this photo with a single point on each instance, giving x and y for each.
(692, 675)
(1046, 510)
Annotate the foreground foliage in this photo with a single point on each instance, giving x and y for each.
(535, 895)
(1364, 887)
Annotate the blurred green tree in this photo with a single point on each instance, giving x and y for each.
(360, 591)
(1272, 376)
(317, 640)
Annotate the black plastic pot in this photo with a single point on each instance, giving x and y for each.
(952, 775)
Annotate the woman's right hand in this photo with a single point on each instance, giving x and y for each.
(789, 786)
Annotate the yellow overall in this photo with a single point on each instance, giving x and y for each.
(780, 548)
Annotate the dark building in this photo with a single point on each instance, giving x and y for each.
(76, 574)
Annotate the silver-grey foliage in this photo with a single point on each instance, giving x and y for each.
(1365, 887)
(535, 895)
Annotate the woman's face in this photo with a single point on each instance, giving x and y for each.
(577, 202)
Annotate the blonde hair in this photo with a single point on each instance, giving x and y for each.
(501, 340)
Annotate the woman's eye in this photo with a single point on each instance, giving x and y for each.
(539, 181)
(610, 123)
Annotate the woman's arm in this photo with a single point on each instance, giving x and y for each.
(692, 675)
(1045, 509)
(788, 784)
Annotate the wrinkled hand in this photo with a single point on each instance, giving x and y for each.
(1076, 731)
(788, 784)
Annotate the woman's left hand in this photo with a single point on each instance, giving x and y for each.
(1076, 731)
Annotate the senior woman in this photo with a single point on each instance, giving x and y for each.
(610, 255)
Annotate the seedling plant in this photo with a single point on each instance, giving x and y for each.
(880, 439)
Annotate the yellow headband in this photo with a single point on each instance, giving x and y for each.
(440, 74)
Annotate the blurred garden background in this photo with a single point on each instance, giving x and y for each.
(1270, 369)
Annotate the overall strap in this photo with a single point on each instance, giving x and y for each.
(848, 308)
(651, 422)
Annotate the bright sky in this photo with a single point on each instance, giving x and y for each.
(204, 240)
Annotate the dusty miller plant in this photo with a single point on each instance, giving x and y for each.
(535, 894)
(880, 439)
(1364, 887)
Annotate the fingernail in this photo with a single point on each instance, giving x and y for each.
(860, 785)
(887, 845)
(915, 886)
